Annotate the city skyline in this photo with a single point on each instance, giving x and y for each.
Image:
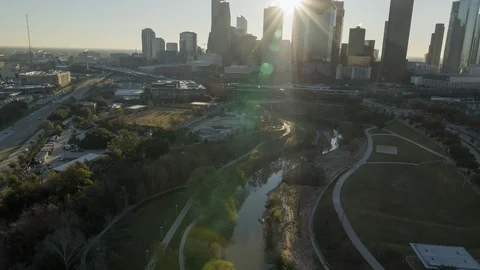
(125, 35)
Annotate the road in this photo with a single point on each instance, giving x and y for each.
(23, 129)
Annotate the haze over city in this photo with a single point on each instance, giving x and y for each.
(115, 24)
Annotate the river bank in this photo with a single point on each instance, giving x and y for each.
(289, 206)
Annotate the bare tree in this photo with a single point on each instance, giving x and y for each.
(66, 244)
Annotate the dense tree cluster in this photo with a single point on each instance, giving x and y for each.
(436, 130)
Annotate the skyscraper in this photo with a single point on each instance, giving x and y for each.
(394, 55)
(147, 49)
(312, 36)
(344, 54)
(188, 43)
(242, 25)
(337, 34)
(158, 46)
(369, 49)
(219, 40)
(272, 34)
(215, 12)
(435, 48)
(272, 23)
(356, 41)
(461, 47)
(172, 46)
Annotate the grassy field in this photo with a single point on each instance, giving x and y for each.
(144, 230)
(378, 131)
(407, 132)
(390, 206)
(406, 151)
(332, 240)
(157, 118)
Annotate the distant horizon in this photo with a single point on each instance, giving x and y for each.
(107, 29)
(129, 50)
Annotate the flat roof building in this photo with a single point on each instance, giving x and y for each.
(86, 158)
(60, 78)
(129, 94)
(435, 257)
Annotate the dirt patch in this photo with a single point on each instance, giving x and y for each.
(286, 226)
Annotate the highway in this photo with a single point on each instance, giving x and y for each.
(23, 130)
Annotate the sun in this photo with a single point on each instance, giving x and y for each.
(288, 5)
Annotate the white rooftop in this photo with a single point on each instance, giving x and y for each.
(434, 256)
(87, 157)
(136, 107)
(128, 92)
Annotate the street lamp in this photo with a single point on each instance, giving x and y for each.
(161, 232)
(146, 255)
(176, 209)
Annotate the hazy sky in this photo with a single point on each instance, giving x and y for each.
(118, 23)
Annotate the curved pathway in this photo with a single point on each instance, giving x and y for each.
(181, 253)
(341, 213)
(93, 241)
(337, 196)
(311, 234)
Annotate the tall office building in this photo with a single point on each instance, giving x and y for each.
(461, 47)
(242, 25)
(272, 35)
(435, 48)
(369, 49)
(219, 40)
(337, 34)
(158, 47)
(356, 41)
(188, 43)
(344, 54)
(172, 47)
(312, 36)
(215, 12)
(147, 49)
(272, 23)
(397, 34)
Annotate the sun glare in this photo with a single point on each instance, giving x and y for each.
(289, 5)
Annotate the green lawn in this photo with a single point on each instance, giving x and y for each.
(378, 131)
(157, 118)
(407, 132)
(332, 240)
(144, 230)
(406, 151)
(390, 206)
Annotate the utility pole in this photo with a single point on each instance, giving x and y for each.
(29, 45)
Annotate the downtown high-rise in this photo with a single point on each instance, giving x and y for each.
(461, 47)
(148, 36)
(435, 48)
(356, 41)
(312, 36)
(396, 36)
(220, 38)
(272, 35)
(242, 25)
(337, 34)
(188, 44)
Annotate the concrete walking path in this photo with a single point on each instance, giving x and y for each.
(171, 232)
(341, 213)
(181, 249)
(311, 233)
(338, 188)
